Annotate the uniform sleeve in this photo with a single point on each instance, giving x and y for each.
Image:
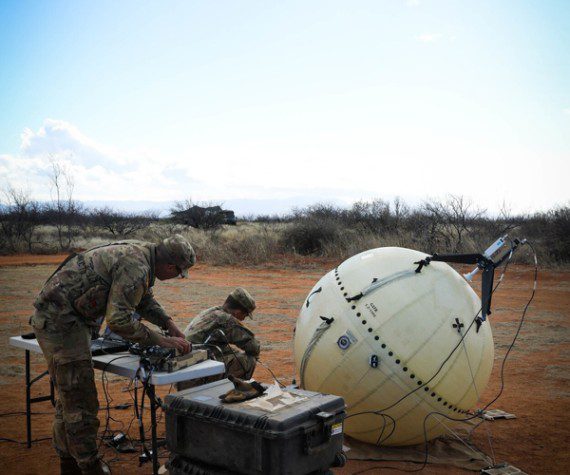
(129, 285)
(152, 311)
(242, 337)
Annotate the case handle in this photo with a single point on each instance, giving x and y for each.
(327, 419)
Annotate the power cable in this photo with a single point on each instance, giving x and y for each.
(481, 411)
(5, 439)
(107, 397)
(444, 361)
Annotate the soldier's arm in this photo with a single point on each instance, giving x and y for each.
(129, 285)
(152, 311)
(242, 337)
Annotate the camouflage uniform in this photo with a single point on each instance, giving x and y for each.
(207, 325)
(112, 281)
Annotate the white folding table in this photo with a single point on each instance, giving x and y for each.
(123, 364)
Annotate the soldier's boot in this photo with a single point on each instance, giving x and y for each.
(99, 468)
(68, 466)
(242, 390)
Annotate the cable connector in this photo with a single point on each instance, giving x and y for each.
(145, 457)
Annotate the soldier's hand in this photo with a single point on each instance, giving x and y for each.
(180, 344)
(173, 330)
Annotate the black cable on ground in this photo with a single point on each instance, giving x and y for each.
(23, 413)
(5, 439)
(107, 398)
(480, 412)
(444, 361)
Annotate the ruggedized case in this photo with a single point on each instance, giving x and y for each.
(298, 433)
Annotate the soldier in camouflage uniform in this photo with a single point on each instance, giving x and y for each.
(111, 281)
(222, 327)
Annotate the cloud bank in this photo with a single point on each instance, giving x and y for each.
(268, 173)
(99, 172)
(203, 173)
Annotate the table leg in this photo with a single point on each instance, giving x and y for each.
(28, 402)
(51, 392)
(152, 397)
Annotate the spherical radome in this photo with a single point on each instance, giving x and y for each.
(394, 339)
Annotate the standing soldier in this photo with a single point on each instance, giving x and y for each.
(222, 327)
(111, 281)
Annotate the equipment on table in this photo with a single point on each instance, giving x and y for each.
(99, 346)
(106, 346)
(166, 359)
(284, 431)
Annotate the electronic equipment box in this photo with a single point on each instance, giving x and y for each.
(289, 431)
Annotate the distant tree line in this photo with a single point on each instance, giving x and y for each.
(453, 224)
(27, 225)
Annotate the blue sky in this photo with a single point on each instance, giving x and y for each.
(288, 102)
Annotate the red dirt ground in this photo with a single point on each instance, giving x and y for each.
(537, 373)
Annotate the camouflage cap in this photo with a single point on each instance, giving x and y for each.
(180, 252)
(244, 299)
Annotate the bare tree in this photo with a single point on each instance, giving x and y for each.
(67, 210)
(449, 221)
(460, 213)
(373, 215)
(400, 210)
(430, 223)
(182, 205)
(121, 224)
(19, 219)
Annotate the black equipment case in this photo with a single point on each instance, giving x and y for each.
(301, 438)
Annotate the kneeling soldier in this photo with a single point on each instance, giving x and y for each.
(222, 327)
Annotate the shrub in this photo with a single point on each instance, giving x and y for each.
(310, 236)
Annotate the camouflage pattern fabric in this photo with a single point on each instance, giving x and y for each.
(67, 349)
(111, 281)
(108, 281)
(240, 364)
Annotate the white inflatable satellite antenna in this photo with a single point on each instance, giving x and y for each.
(395, 342)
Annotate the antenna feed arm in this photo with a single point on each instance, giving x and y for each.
(479, 259)
(483, 263)
(487, 262)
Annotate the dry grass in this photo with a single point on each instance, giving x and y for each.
(254, 243)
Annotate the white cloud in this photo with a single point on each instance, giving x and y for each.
(99, 171)
(429, 37)
(361, 163)
(60, 140)
(203, 172)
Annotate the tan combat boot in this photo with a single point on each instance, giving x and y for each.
(242, 390)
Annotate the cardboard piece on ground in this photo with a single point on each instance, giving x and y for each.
(493, 414)
(443, 450)
(505, 469)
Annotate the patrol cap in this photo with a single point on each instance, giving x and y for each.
(180, 252)
(244, 299)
